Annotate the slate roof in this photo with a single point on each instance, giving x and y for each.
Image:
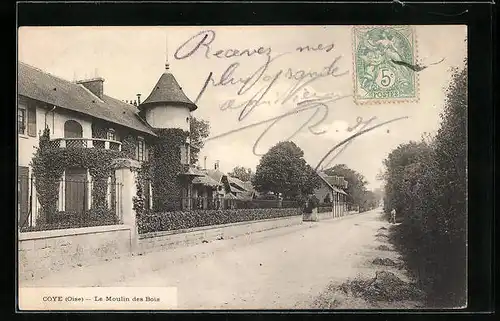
(167, 90)
(329, 180)
(205, 180)
(237, 182)
(39, 85)
(215, 174)
(235, 189)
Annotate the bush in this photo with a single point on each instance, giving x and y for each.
(325, 209)
(426, 184)
(169, 221)
(66, 219)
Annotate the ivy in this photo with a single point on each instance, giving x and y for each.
(178, 220)
(141, 182)
(129, 144)
(50, 163)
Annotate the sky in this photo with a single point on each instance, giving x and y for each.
(131, 60)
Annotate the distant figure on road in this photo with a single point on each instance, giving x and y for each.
(393, 216)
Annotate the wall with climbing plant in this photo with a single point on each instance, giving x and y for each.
(164, 167)
(49, 165)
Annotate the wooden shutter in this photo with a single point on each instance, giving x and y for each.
(31, 121)
(22, 197)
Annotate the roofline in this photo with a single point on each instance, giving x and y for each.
(92, 116)
(144, 105)
(77, 111)
(44, 71)
(329, 185)
(90, 92)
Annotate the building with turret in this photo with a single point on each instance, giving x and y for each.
(82, 130)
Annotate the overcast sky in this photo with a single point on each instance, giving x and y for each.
(131, 59)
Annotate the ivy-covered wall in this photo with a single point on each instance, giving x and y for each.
(49, 165)
(164, 168)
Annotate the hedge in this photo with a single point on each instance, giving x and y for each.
(426, 183)
(324, 209)
(168, 221)
(66, 219)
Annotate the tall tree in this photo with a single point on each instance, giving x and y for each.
(428, 181)
(200, 130)
(404, 166)
(283, 169)
(355, 182)
(242, 173)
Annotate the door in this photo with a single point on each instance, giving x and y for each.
(22, 195)
(76, 190)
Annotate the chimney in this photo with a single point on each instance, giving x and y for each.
(138, 99)
(95, 85)
(216, 166)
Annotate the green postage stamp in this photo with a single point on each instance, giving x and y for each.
(383, 56)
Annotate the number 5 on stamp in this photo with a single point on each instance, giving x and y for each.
(377, 78)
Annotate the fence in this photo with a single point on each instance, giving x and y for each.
(79, 203)
(97, 143)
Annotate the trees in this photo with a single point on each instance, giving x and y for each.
(200, 130)
(283, 169)
(242, 173)
(370, 201)
(355, 182)
(404, 165)
(427, 182)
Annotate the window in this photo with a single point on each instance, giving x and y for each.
(73, 129)
(141, 149)
(185, 154)
(21, 120)
(111, 134)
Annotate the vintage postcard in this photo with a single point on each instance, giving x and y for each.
(242, 167)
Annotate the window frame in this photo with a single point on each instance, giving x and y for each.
(184, 150)
(111, 134)
(140, 152)
(24, 108)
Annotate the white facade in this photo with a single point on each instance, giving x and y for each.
(168, 116)
(54, 120)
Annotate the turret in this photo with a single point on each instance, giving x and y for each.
(167, 106)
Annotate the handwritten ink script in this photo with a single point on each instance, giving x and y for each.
(261, 82)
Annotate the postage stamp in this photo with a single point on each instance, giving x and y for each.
(383, 57)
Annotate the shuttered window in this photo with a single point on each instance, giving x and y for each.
(140, 150)
(31, 120)
(21, 120)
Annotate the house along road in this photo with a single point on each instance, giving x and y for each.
(286, 268)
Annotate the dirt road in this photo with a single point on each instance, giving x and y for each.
(279, 272)
(287, 268)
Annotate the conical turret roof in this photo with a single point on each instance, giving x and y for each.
(167, 90)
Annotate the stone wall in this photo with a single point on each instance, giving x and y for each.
(325, 215)
(171, 239)
(44, 252)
